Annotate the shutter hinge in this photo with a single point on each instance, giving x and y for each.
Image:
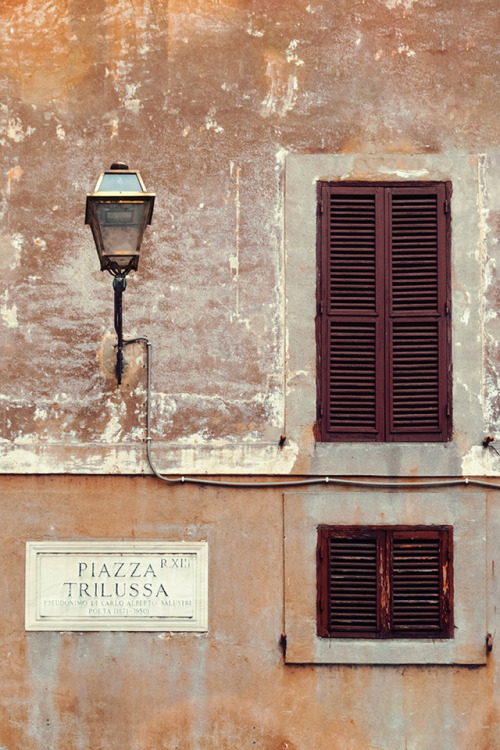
(446, 308)
(447, 409)
(447, 206)
(320, 205)
(320, 307)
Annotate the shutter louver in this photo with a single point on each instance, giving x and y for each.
(353, 584)
(352, 376)
(415, 376)
(414, 253)
(352, 246)
(416, 585)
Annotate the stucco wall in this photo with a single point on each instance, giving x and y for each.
(207, 99)
(229, 687)
(218, 102)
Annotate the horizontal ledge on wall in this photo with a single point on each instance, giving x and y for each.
(246, 458)
(261, 458)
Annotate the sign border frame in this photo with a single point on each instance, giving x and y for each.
(35, 621)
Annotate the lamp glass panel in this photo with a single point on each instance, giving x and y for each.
(122, 225)
(115, 182)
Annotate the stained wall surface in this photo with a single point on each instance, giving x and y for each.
(208, 99)
(232, 110)
(229, 687)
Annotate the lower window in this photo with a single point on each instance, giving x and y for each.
(385, 582)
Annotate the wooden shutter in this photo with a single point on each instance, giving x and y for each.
(419, 582)
(352, 335)
(385, 582)
(416, 314)
(352, 584)
(383, 369)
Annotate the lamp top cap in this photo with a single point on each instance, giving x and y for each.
(119, 165)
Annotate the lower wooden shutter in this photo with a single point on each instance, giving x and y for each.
(353, 600)
(416, 582)
(385, 582)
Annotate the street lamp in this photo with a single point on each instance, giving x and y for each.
(118, 212)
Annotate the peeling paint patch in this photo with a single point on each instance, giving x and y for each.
(253, 32)
(211, 123)
(406, 4)
(10, 251)
(291, 55)
(8, 313)
(234, 260)
(283, 88)
(129, 100)
(112, 431)
(114, 127)
(14, 130)
(404, 174)
(480, 462)
(404, 49)
(289, 100)
(13, 174)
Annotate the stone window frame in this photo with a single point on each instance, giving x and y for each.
(462, 509)
(302, 173)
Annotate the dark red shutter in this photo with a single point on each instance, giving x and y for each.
(383, 306)
(385, 582)
(352, 335)
(348, 581)
(417, 347)
(352, 582)
(416, 582)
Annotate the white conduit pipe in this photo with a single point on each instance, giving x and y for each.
(285, 483)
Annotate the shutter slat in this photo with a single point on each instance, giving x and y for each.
(414, 356)
(352, 584)
(352, 376)
(413, 222)
(352, 244)
(416, 582)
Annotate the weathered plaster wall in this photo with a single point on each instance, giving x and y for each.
(230, 687)
(206, 98)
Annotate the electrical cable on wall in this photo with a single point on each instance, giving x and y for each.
(293, 482)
